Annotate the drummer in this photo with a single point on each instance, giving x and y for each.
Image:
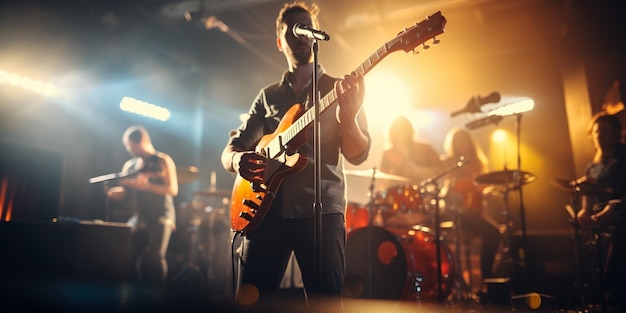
(402, 205)
(406, 157)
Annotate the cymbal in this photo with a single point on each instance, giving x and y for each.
(505, 178)
(187, 174)
(585, 188)
(563, 184)
(217, 192)
(406, 219)
(376, 175)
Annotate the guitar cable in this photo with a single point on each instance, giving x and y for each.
(235, 257)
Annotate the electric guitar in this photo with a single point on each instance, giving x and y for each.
(251, 201)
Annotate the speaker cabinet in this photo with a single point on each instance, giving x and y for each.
(97, 252)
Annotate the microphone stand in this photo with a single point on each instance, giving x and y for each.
(517, 177)
(518, 186)
(317, 150)
(435, 192)
(576, 203)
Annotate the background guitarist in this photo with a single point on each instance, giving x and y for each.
(151, 196)
(602, 209)
(289, 223)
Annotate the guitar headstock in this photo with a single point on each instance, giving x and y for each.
(410, 38)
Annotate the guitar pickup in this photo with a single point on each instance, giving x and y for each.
(246, 216)
(252, 205)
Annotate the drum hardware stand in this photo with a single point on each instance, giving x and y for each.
(597, 243)
(370, 209)
(598, 270)
(434, 190)
(191, 271)
(506, 257)
(463, 292)
(573, 211)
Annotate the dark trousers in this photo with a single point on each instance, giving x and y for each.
(149, 244)
(266, 251)
(475, 225)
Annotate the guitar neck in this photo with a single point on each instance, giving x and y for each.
(407, 40)
(329, 99)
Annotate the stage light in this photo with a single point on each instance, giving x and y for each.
(498, 135)
(143, 108)
(387, 98)
(28, 83)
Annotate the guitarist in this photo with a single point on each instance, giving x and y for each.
(151, 195)
(602, 207)
(289, 223)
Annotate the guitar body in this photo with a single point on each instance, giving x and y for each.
(249, 202)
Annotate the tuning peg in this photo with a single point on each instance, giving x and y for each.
(416, 51)
(425, 46)
(436, 41)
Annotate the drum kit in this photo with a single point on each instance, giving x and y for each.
(200, 247)
(394, 233)
(392, 251)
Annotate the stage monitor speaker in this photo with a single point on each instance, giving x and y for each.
(97, 252)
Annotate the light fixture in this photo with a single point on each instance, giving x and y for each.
(28, 83)
(143, 108)
(517, 107)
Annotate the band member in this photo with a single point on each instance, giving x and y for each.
(150, 191)
(602, 210)
(289, 223)
(402, 205)
(464, 198)
(407, 157)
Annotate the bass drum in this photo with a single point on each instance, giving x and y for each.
(395, 263)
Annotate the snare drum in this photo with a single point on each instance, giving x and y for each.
(401, 206)
(396, 264)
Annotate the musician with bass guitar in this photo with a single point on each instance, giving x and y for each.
(282, 219)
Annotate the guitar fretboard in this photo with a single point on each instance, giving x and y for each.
(407, 40)
(329, 99)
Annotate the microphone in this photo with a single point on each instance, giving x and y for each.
(303, 30)
(474, 104)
